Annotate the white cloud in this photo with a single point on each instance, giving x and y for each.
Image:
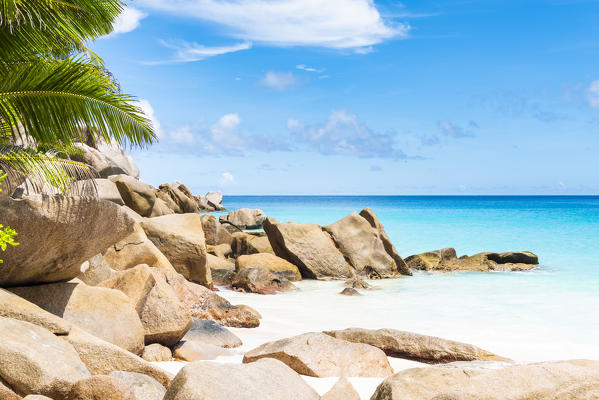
(593, 94)
(189, 52)
(279, 80)
(226, 178)
(304, 67)
(340, 24)
(223, 136)
(182, 135)
(454, 130)
(148, 111)
(128, 20)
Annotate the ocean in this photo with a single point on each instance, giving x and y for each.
(546, 314)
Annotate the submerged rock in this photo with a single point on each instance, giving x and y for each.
(558, 380)
(245, 218)
(350, 292)
(446, 260)
(56, 235)
(359, 283)
(265, 379)
(413, 346)
(260, 280)
(320, 355)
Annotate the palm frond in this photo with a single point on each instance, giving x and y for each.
(53, 99)
(45, 173)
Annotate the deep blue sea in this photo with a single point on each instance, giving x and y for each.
(549, 313)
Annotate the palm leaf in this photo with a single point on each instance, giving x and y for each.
(45, 173)
(53, 99)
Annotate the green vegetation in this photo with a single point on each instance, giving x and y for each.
(7, 235)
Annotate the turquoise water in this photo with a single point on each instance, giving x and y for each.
(543, 314)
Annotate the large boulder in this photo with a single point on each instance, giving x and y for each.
(446, 260)
(206, 331)
(101, 357)
(431, 260)
(56, 235)
(34, 361)
(165, 320)
(214, 232)
(137, 195)
(320, 355)
(106, 313)
(222, 270)
(260, 280)
(413, 346)
(215, 200)
(244, 218)
(101, 387)
(105, 188)
(559, 380)
(308, 247)
(183, 202)
(203, 303)
(143, 387)
(15, 307)
(514, 257)
(269, 262)
(266, 380)
(106, 158)
(250, 243)
(181, 239)
(135, 249)
(342, 390)
(95, 271)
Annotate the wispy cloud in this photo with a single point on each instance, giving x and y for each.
(226, 179)
(339, 24)
(128, 20)
(304, 67)
(455, 131)
(279, 80)
(517, 105)
(190, 52)
(593, 94)
(145, 106)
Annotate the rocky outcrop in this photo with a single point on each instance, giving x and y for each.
(356, 244)
(250, 243)
(156, 352)
(559, 380)
(15, 307)
(95, 270)
(244, 218)
(260, 280)
(308, 247)
(203, 303)
(106, 158)
(358, 283)
(270, 262)
(101, 387)
(413, 346)
(222, 251)
(142, 386)
(165, 320)
(103, 312)
(134, 250)
(320, 355)
(137, 195)
(214, 232)
(265, 379)
(101, 357)
(215, 201)
(182, 202)
(181, 239)
(223, 271)
(446, 260)
(210, 332)
(342, 390)
(34, 361)
(56, 235)
(105, 188)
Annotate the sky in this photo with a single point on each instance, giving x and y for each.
(358, 97)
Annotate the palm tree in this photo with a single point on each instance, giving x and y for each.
(51, 86)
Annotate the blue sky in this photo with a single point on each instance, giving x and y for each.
(363, 97)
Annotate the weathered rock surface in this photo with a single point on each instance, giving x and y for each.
(445, 260)
(249, 243)
(308, 247)
(107, 159)
(250, 309)
(102, 357)
(245, 218)
(165, 320)
(413, 346)
(222, 250)
(219, 265)
(106, 313)
(320, 355)
(342, 390)
(190, 351)
(269, 262)
(160, 208)
(34, 397)
(134, 250)
(561, 380)
(214, 232)
(96, 270)
(203, 303)
(15, 307)
(184, 203)
(136, 194)
(181, 239)
(358, 283)
(56, 235)
(210, 332)
(156, 352)
(260, 280)
(350, 292)
(105, 188)
(265, 379)
(6, 393)
(101, 387)
(215, 200)
(142, 386)
(34, 361)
